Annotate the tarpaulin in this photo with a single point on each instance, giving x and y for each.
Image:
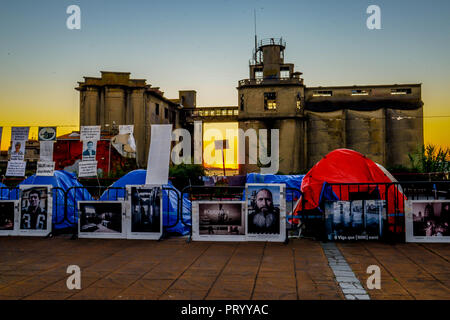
(170, 200)
(61, 182)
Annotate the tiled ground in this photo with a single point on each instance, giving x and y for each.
(35, 268)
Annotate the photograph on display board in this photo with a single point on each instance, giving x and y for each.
(218, 220)
(7, 216)
(354, 220)
(428, 221)
(35, 209)
(145, 217)
(266, 211)
(100, 219)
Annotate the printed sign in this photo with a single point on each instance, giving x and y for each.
(427, 221)
(89, 133)
(16, 168)
(46, 151)
(45, 169)
(19, 133)
(47, 134)
(218, 221)
(17, 150)
(87, 168)
(89, 150)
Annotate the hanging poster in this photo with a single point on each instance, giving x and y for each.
(16, 168)
(90, 133)
(47, 134)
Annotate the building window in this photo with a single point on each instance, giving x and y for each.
(401, 91)
(157, 109)
(166, 113)
(322, 93)
(259, 74)
(242, 102)
(236, 112)
(284, 72)
(212, 113)
(299, 101)
(270, 101)
(182, 101)
(360, 92)
(224, 112)
(230, 112)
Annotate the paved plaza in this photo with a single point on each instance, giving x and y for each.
(35, 268)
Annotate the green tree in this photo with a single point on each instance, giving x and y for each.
(183, 175)
(430, 159)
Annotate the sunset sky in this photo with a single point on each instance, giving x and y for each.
(206, 46)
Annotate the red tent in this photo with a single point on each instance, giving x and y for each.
(348, 166)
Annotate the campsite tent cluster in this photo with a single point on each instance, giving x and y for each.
(319, 184)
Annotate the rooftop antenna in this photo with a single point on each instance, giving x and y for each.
(254, 13)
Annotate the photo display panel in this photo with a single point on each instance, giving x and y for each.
(218, 221)
(9, 213)
(101, 219)
(144, 212)
(354, 220)
(266, 212)
(35, 217)
(427, 221)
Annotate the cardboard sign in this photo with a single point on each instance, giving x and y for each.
(87, 168)
(47, 134)
(20, 133)
(45, 169)
(90, 133)
(16, 168)
(159, 155)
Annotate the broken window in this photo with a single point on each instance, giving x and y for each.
(166, 113)
(157, 109)
(270, 101)
(401, 91)
(322, 93)
(299, 101)
(242, 102)
(284, 72)
(360, 92)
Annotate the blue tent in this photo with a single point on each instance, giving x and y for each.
(291, 181)
(170, 200)
(7, 194)
(61, 182)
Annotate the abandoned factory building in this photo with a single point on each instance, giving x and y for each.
(384, 122)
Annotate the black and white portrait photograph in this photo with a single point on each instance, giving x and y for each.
(146, 212)
(35, 209)
(7, 216)
(218, 220)
(100, 219)
(428, 221)
(265, 211)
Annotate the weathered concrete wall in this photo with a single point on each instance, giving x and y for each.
(404, 134)
(325, 132)
(365, 133)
